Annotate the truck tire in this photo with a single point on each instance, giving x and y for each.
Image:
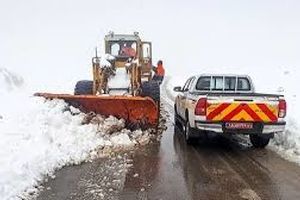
(84, 87)
(176, 118)
(151, 89)
(259, 141)
(188, 131)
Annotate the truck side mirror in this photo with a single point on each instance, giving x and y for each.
(177, 89)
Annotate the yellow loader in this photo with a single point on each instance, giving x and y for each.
(122, 84)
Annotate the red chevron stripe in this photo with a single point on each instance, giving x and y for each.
(268, 112)
(236, 111)
(216, 111)
(254, 116)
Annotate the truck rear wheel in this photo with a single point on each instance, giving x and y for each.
(151, 89)
(84, 87)
(188, 132)
(176, 118)
(259, 141)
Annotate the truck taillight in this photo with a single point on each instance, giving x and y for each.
(282, 108)
(201, 107)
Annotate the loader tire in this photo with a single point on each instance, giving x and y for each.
(151, 89)
(83, 88)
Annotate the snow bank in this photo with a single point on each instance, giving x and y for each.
(288, 144)
(38, 137)
(282, 80)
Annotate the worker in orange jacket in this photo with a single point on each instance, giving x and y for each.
(159, 72)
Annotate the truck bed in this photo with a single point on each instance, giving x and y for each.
(209, 93)
(253, 107)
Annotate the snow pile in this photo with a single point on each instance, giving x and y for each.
(114, 132)
(120, 80)
(105, 60)
(47, 135)
(282, 81)
(36, 139)
(39, 136)
(288, 144)
(121, 139)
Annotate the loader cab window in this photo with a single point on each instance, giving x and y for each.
(133, 45)
(203, 83)
(146, 50)
(243, 84)
(115, 49)
(128, 49)
(123, 48)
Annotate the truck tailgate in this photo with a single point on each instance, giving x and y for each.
(238, 108)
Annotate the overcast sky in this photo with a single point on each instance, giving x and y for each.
(55, 39)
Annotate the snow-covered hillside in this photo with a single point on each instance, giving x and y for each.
(38, 137)
(9, 81)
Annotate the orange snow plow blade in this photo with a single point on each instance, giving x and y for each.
(139, 112)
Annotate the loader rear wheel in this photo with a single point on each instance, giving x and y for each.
(151, 89)
(84, 87)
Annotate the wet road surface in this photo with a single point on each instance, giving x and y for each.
(217, 168)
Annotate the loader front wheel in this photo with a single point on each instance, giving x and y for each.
(151, 89)
(84, 87)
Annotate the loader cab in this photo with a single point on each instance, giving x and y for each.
(130, 46)
(122, 49)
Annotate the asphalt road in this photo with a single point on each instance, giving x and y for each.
(215, 168)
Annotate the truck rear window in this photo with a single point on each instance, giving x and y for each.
(230, 83)
(217, 83)
(220, 83)
(203, 83)
(243, 84)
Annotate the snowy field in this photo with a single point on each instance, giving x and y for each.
(39, 137)
(280, 81)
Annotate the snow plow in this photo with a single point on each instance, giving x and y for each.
(122, 84)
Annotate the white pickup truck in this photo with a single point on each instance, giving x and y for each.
(228, 104)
